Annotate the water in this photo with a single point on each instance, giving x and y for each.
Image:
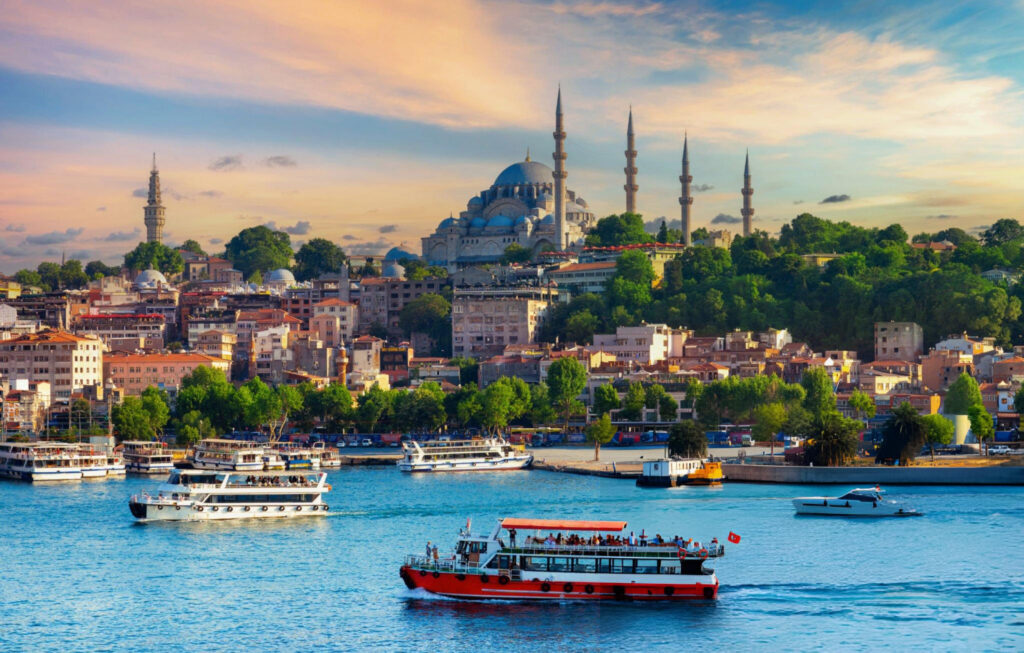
(76, 572)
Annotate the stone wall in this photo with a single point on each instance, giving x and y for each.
(996, 475)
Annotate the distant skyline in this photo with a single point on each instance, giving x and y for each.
(368, 123)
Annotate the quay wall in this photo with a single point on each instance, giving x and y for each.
(993, 475)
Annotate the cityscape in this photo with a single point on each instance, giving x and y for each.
(607, 371)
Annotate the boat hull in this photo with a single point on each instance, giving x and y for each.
(837, 508)
(519, 462)
(149, 469)
(185, 511)
(601, 588)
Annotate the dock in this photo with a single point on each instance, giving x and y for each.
(369, 460)
(629, 470)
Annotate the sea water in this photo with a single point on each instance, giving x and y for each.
(77, 573)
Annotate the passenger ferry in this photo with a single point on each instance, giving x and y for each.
(667, 472)
(40, 461)
(207, 495)
(463, 456)
(115, 465)
(146, 457)
(579, 566)
(92, 463)
(329, 457)
(229, 455)
(299, 457)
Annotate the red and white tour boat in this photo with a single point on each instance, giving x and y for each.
(586, 560)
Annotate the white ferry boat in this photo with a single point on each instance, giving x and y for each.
(578, 564)
(40, 461)
(115, 465)
(229, 455)
(859, 502)
(329, 458)
(146, 457)
(207, 495)
(92, 463)
(462, 456)
(298, 457)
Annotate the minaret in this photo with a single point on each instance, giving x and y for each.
(630, 169)
(685, 199)
(748, 211)
(560, 174)
(154, 210)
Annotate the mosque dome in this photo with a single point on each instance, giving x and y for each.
(280, 275)
(446, 223)
(523, 219)
(525, 172)
(398, 254)
(499, 222)
(582, 202)
(393, 271)
(478, 223)
(475, 201)
(548, 219)
(150, 277)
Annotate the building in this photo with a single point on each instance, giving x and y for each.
(941, 367)
(153, 212)
(125, 331)
(8, 316)
(875, 383)
(216, 344)
(383, 298)
(133, 373)
(69, 363)
(644, 344)
(965, 344)
(201, 268)
(580, 278)
(395, 361)
(1008, 369)
(658, 253)
(23, 408)
(484, 320)
(748, 192)
(346, 312)
(527, 205)
(898, 341)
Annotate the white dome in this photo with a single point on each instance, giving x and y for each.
(281, 275)
(150, 277)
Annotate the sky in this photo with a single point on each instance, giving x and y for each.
(367, 123)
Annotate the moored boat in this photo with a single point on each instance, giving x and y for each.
(92, 463)
(578, 564)
(208, 495)
(40, 461)
(146, 457)
(490, 454)
(670, 472)
(859, 502)
(228, 455)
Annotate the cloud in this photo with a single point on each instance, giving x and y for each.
(300, 228)
(280, 161)
(210, 193)
(228, 162)
(82, 254)
(941, 216)
(141, 192)
(123, 236)
(16, 228)
(796, 202)
(725, 218)
(349, 237)
(388, 229)
(101, 208)
(701, 188)
(610, 9)
(54, 237)
(835, 199)
(369, 248)
(652, 226)
(216, 241)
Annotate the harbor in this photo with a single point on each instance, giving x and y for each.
(797, 582)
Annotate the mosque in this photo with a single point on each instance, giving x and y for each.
(529, 205)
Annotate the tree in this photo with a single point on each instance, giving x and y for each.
(768, 421)
(429, 314)
(316, 257)
(662, 236)
(464, 405)
(963, 394)
(374, 406)
(614, 230)
(80, 414)
(156, 404)
(334, 406)
(687, 440)
(981, 424)
(902, 436)
(1002, 231)
(194, 247)
(580, 327)
(832, 439)
(600, 432)
(28, 278)
(516, 253)
(288, 401)
(667, 408)
(154, 255)
(258, 249)
(863, 406)
(541, 411)
(937, 430)
(131, 421)
(193, 427)
(633, 403)
(496, 403)
(1018, 401)
(72, 275)
(820, 399)
(566, 380)
(606, 399)
(428, 406)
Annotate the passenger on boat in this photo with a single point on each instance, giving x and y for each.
(632, 539)
(435, 554)
(512, 537)
(428, 548)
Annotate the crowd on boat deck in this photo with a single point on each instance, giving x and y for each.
(612, 540)
(279, 481)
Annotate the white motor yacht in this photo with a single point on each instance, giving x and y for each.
(859, 502)
(462, 455)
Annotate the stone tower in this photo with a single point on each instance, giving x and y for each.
(154, 210)
(685, 199)
(748, 210)
(631, 186)
(560, 174)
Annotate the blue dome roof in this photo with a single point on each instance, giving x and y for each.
(447, 222)
(476, 201)
(500, 221)
(478, 222)
(525, 172)
(523, 218)
(396, 254)
(548, 219)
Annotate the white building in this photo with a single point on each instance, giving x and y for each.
(67, 362)
(645, 344)
(485, 320)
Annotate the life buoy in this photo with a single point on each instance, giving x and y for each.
(484, 578)
(282, 509)
(215, 508)
(461, 576)
(436, 574)
(545, 587)
(199, 508)
(422, 573)
(298, 508)
(264, 508)
(326, 507)
(230, 509)
(589, 589)
(703, 553)
(567, 587)
(248, 508)
(175, 507)
(503, 580)
(669, 591)
(159, 507)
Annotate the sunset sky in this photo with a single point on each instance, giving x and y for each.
(367, 123)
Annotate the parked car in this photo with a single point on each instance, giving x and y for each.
(367, 442)
(999, 450)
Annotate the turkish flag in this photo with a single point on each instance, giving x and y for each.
(734, 538)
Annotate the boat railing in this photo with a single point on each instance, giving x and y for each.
(649, 551)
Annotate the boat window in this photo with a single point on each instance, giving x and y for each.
(604, 566)
(670, 566)
(535, 563)
(853, 496)
(460, 547)
(622, 566)
(559, 564)
(584, 565)
(174, 479)
(646, 566)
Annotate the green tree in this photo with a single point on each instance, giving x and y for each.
(49, 273)
(902, 436)
(981, 425)
(963, 394)
(132, 421)
(768, 421)
(633, 403)
(667, 408)
(464, 405)
(154, 255)
(606, 399)
(600, 431)
(28, 278)
(156, 404)
(863, 406)
(374, 406)
(429, 314)
(937, 430)
(258, 249)
(687, 440)
(820, 398)
(428, 406)
(614, 230)
(662, 236)
(193, 427)
(1018, 401)
(72, 275)
(831, 439)
(496, 403)
(541, 411)
(469, 369)
(580, 327)
(316, 257)
(566, 380)
(516, 253)
(1003, 231)
(194, 247)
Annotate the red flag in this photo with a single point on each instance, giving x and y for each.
(734, 538)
